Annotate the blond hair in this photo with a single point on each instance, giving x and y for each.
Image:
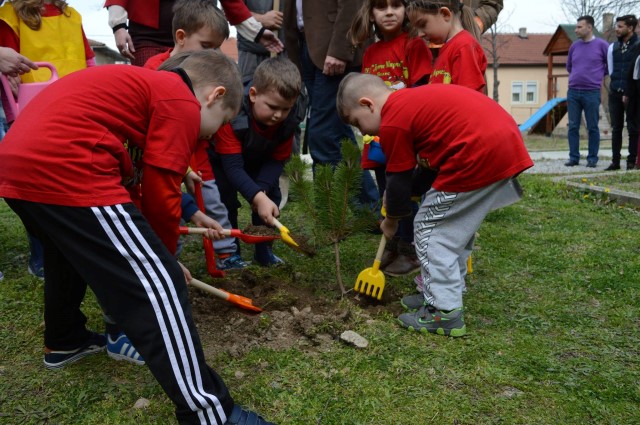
(353, 87)
(30, 11)
(458, 9)
(280, 75)
(191, 15)
(210, 68)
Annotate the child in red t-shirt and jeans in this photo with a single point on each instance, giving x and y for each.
(401, 61)
(477, 150)
(249, 153)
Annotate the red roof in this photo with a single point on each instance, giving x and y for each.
(512, 49)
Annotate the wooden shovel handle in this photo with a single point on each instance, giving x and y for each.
(240, 301)
(378, 260)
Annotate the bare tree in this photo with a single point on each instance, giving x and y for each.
(573, 9)
(492, 45)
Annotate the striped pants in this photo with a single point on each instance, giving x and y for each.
(138, 283)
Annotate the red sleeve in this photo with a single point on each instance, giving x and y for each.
(88, 51)
(283, 150)
(161, 197)
(418, 60)
(226, 141)
(8, 38)
(398, 148)
(467, 68)
(235, 11)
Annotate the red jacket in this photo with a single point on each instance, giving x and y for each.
(146, 12)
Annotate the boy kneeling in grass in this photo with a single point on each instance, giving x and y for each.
(249, 153)
(477, 151)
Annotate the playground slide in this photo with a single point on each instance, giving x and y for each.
(541, 113)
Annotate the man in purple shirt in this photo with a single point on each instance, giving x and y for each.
(587, 66)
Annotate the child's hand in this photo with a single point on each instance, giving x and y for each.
(190, 180)
(200, 219)
(389, 227)
(265, 208)
(187, 273)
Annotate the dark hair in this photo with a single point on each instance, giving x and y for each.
(191, 15)
(280, 75)
(588, 19)
(629, 20)
(362, 27)
(432, 7)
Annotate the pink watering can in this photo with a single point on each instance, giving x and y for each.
(27, 91)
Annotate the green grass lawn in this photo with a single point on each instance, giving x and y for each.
(552, 313)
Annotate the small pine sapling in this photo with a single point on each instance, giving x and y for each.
(329, 199)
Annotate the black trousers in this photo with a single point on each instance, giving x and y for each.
(618, 111)
(138, 283)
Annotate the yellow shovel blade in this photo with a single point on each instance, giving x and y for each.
(370, 282)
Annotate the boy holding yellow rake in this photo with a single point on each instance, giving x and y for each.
(477, 151)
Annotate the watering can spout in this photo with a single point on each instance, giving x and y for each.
(26, 91)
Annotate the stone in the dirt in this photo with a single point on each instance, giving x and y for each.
(351, 337)
(142, 403)
(239, 374)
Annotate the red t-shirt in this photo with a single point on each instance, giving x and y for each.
(200, 159)
(462, 62)
(469, 137)
(400, 62)
(227, 143)
(67, 146)
(155, 61)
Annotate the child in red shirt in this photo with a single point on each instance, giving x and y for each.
(249, 153)
(461, 59)
(477, 149)
(44, 31)
(199, 25)
(401, 61)
(77, 203)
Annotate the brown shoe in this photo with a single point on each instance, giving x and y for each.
(402, 265)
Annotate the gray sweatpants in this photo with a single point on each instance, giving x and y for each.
(445, 228)
(215, 209)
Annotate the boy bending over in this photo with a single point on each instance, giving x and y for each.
(250, 152)
(476, 149)
(78, 205)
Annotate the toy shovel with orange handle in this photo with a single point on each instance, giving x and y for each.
(371, 281)
(238, 300)
(235, 233)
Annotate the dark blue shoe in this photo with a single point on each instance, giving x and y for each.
(265, 257)
(239, 416)
(56, 359)
(36, 258)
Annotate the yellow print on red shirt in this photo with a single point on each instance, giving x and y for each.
(441, 73)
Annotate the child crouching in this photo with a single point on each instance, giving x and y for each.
(477, 150)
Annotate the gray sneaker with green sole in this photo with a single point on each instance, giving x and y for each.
(428, 319)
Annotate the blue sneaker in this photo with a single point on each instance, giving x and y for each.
(234, 262)
(265, 257)
(36, 269)
(240, 416)
(55, 359)
(1, 275)
(123, 349)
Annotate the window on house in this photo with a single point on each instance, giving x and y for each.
(532, 92)
(517, 92)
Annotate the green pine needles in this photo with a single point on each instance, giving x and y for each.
(329, 199)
